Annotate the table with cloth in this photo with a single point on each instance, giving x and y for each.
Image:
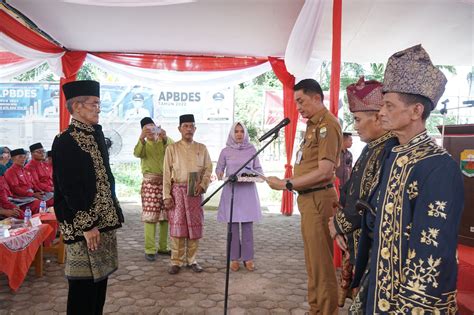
(50, 247)
(17, 253)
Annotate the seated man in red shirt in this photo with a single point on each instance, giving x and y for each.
(21, 183)
(8, 209)
(39, 169)
(49, 162)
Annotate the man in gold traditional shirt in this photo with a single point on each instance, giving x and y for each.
(315, 166)
(186, 176)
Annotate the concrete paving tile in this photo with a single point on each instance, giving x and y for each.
(129, 309)
(117, 294)
(190, 290)
(237, 311)
(21, 297)
(139, 295)
(124, 301)
(150, 310)
(145, 302)
(214, 311)
(258, 311)
(137, 273)
(299, 312)
(247, 304)
(207, 303)
(172, 311)
(60, 308)
(186, 304)
(43, 306)
(195, 311)
(111, 308)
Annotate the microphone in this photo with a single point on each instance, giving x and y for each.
(469, 103)
(275, 129)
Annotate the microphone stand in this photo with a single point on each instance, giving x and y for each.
(443, 112)
(233, 179)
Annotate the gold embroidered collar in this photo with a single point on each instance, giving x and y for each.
(379, 140)
(77, 124)
(414, 142)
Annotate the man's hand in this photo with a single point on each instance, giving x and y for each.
(143, 134)
(92, 238)
(169, 204)
(38, 195)
(198, 190)
(10, 212)
(332, 227)
(147, 133)
(276, 183)
(341, 242)
(220, 175)
(162, 135)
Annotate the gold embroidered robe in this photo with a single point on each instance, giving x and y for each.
(417, 207)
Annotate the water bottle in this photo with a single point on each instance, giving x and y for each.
(27, 216)
(42, 207)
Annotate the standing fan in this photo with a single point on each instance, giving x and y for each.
(113, 140)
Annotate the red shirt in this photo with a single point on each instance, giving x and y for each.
(4, 194)
(41, 175)
(20, 182)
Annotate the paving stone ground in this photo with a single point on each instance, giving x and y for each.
(277, 286)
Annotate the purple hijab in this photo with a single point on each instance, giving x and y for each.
(231, 138)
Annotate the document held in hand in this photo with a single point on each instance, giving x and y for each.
(193, 181)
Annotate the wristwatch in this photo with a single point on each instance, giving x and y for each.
(289, 185)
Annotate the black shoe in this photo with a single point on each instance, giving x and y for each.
(196, 267)
(174, 269)
(164, 252)
(150, 257)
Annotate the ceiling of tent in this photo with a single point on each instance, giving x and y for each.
(207, 27)
(372, 29)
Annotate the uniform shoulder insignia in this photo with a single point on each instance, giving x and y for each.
(323, 131)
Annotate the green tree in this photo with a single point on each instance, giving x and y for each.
(90, 71)
(41, 73)
(248, 99)
(449, 69)
(436, 119)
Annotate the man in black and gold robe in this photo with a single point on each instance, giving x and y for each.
(365, 100)
(407, 252)
(85, 204)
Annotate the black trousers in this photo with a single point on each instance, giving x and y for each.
(86, 297)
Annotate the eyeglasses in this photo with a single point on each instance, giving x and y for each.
(93, 104)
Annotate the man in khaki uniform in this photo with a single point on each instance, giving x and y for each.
(315, 165)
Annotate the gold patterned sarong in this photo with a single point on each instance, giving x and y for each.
(98, 265)
(153, 209)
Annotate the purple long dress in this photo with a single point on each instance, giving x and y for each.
(246, 201)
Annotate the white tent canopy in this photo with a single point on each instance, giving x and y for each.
(372, 29)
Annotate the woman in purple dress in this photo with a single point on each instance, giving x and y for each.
(246, 203)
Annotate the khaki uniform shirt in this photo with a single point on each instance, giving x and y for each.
(322, 141)
(180, 159)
